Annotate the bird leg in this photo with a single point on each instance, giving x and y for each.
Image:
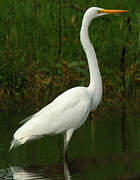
(67, 137)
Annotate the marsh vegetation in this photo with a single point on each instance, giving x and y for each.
(41, 55)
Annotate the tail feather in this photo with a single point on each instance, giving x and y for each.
(14, 144)
(17, 142)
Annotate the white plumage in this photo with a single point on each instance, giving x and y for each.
(69, 110)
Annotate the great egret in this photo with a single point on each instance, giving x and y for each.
(69, 110)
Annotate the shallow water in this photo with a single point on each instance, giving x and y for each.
(107, 147)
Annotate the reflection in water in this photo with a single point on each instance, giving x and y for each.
(93, 168)
(21, 174)
(110, 150)
(66, 171)
(27, 173)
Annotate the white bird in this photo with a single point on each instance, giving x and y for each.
(69, 110)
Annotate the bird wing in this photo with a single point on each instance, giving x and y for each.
(69, 110)
(26, 119)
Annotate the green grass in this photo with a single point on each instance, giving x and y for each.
(32, 64)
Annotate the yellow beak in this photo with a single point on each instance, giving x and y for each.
(112, 11)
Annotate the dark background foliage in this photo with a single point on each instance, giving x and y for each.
(41, 55)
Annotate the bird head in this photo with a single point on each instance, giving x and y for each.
(95, 12)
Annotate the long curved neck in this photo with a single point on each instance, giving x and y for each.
(95, 77)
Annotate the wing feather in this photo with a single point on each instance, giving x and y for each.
(69, 110)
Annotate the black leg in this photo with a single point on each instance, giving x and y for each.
(67, 137)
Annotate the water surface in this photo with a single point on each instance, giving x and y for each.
(106, 147)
